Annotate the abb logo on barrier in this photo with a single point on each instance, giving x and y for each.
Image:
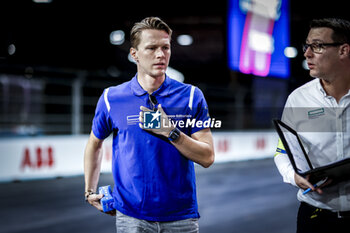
(260, 143)
(222, 146)
(37, 158)
(107, 152)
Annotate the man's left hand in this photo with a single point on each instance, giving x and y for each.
(166, 125)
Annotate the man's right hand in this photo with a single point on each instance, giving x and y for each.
(304, 183)
(94, 200)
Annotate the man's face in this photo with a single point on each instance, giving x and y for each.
(153, 53)
(323, 64)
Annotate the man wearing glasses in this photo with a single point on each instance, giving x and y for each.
(153, 168)
(319, 111)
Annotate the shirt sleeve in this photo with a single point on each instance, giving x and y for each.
(102, 124)
(281, 159)
(200, 111)
(283, 164)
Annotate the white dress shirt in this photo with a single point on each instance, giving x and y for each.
(324, 127)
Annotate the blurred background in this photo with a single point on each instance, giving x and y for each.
(57, 56)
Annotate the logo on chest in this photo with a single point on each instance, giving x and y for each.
(316, 113)
(132, 119)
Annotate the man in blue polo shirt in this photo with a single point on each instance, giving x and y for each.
(159, 130)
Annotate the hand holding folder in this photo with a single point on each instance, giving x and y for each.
(303, 183)
(336, 171)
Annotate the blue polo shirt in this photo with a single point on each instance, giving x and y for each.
(153, 180)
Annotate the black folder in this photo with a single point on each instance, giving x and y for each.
(337, 171)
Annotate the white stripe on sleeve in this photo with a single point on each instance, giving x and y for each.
(106, 99)
(190, 103)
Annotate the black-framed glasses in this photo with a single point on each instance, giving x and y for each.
(154, 102)
(319, 47)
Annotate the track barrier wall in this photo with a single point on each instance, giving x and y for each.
(60, 156)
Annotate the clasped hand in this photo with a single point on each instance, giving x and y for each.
(166, 125)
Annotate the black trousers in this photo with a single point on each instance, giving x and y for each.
(312, 219)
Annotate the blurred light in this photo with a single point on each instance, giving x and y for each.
(117, 37)
(11, 49)
(261, 42)
(42, 1)
(131, 59)
(255, 42)
(185, 40)
(290, 52)
(305, 66)
(175, 74)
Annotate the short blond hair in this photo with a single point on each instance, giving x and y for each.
(147, 23)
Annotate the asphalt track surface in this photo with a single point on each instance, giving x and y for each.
(235, 197)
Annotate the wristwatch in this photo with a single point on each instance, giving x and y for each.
(174, 134)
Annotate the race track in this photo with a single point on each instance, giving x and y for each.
(235, 197)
